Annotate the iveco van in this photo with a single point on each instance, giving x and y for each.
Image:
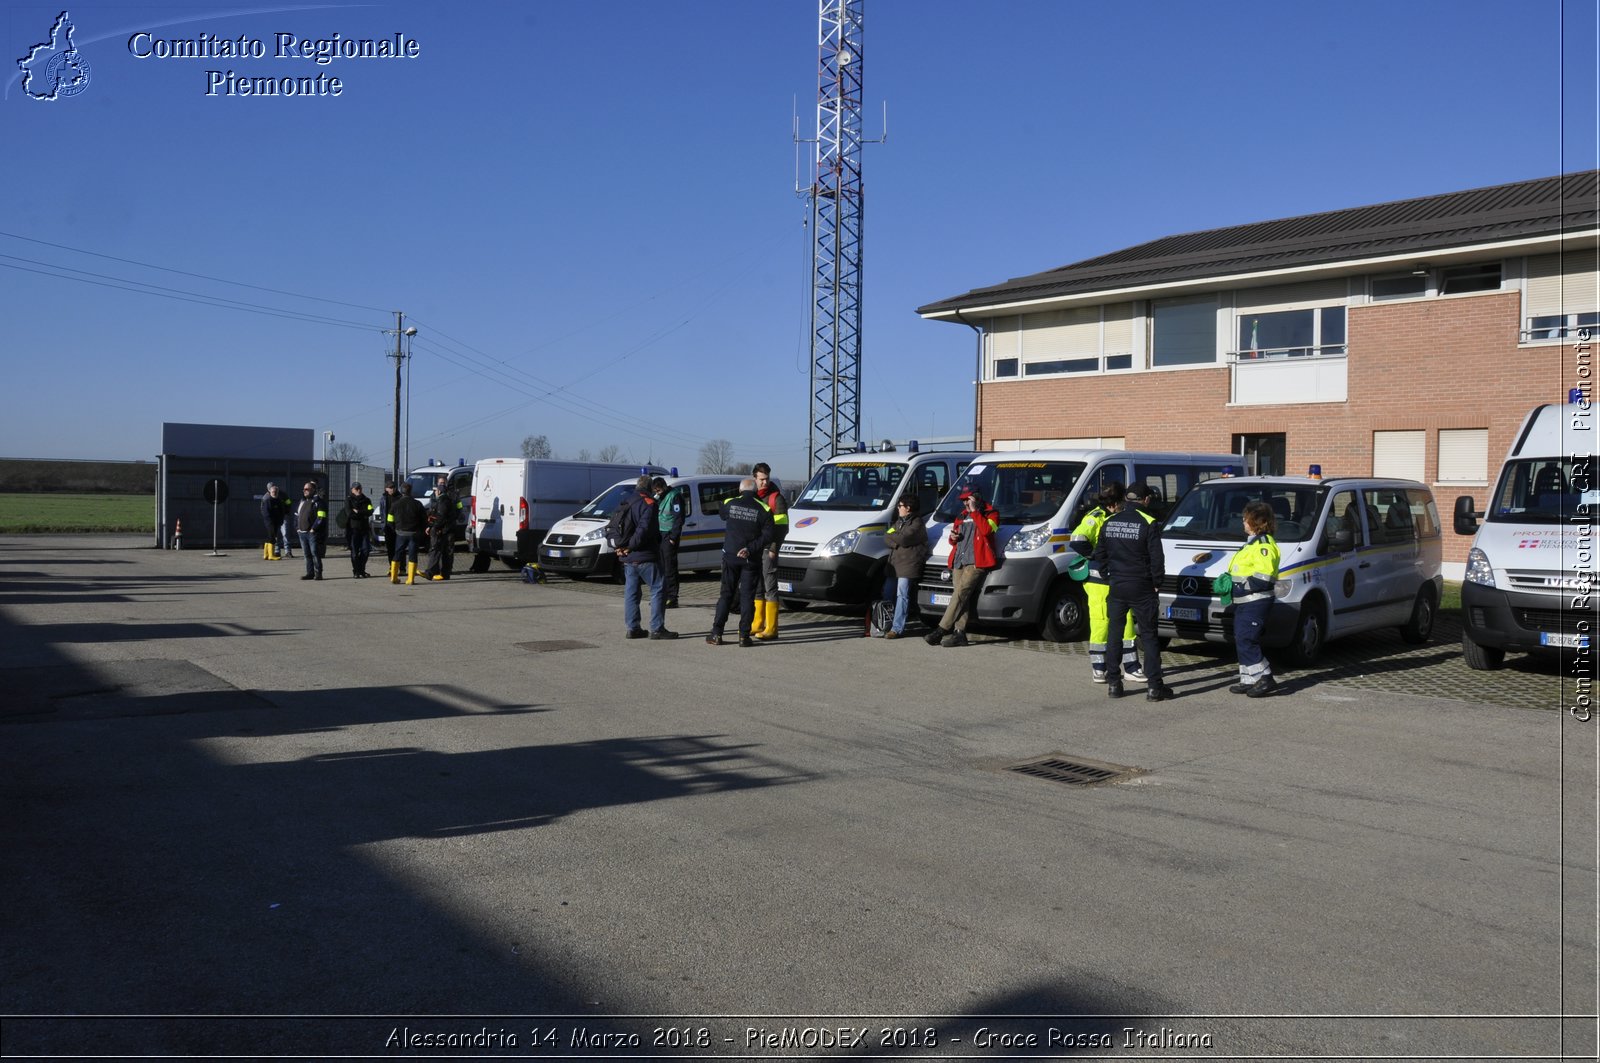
(1041, 495)
(1356, 554)
(577, 547)
(835, 550)
(1530, 577)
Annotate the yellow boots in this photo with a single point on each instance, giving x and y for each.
(411, 573)
(394, 572)
(765, 624)
(266, 551)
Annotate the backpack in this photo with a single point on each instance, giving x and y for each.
(619, 529)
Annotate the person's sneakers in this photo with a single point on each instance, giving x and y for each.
(1240, 688)
(308, 576)
(933, 637)
(317, 576)
(1134, 675)
(891, 634)
(1262, 687)
(746, 642)
(714, 640)
(1114, 688)
(1159, 692)
(663, 633)
(1097, 674)
(955, 638)
(638, 633)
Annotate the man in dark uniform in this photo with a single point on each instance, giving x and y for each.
(1129, 553)
(358, 529)
(407, 521)
(749, 531)
(442, 529)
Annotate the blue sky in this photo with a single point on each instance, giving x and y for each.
(587, 209)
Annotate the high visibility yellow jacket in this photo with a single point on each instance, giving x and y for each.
(1254, 569)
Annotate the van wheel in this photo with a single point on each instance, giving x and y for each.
(1066, 613)
(1309, 634)
(1481, 658)
(1419, 628)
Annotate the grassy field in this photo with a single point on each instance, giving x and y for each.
(34, 513)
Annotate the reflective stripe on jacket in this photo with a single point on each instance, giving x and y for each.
(1254, 569)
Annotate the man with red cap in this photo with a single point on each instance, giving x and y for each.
(972, 553)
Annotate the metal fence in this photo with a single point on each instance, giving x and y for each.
(181, 499)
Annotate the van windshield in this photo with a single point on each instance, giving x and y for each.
(608, 503)
(859, 485)
(1214, 511)
(1025, 492)
(1547, 491)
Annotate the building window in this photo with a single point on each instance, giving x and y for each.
(1481, 277)
(1400, 286)
(1264, 455)
(1561, 294)
(1183, 331)
(1402, 455)
(1292, 333)
(1463, 456)
(1560, 326)
(1005, 367)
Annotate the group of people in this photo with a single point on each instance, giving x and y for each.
(756, 520)
(405, 522)
(1117, 542)
(1121, 563)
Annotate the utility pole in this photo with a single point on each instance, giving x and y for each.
(399, 356)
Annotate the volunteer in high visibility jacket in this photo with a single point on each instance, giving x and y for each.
(972, 554)
(769, 495)
(358, 530)
(1130, 554)
(1254, 572)
(1085, 537)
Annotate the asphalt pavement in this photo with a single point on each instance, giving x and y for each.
(250, 815)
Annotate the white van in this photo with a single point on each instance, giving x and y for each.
(511, 495)
(1356, 554)
(1041, 495)
(835, 550)
(577, 547)
(1530, 576)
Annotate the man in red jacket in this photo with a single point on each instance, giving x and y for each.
(972, 553)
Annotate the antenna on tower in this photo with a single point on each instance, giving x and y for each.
(835, 194)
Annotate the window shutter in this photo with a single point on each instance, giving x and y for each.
(1291, 296)
(1463, 455)
(1551, 293)
(1400, 454)
(1119, 328)
(1061, 334)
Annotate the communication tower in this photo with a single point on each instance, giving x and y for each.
(836, 232)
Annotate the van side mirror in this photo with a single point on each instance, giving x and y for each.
(1341, 540)
(1466, 521)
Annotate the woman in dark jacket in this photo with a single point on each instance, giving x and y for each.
(907, 539)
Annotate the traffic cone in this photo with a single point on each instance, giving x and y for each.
(177, 535)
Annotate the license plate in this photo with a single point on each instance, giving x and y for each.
(1571, 642)
(939, 599)
(1178, 612)
(557, 553)
(785, 585)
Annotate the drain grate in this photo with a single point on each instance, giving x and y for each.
(554, 645)
(1075, 771)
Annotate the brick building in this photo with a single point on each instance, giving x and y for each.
(1402, 339)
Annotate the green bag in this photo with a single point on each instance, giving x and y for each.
(1078, 567)
(1223, 585)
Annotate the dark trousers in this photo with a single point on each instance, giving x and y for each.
(1143, 603)
(669, 569)
(739, 576)
(388, 541)
(441, 554)
(360, 550)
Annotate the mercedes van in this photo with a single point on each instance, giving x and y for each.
(1531, 573)
(577, 547)
(835, 550)
(1356, 554)
(1041, 495)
